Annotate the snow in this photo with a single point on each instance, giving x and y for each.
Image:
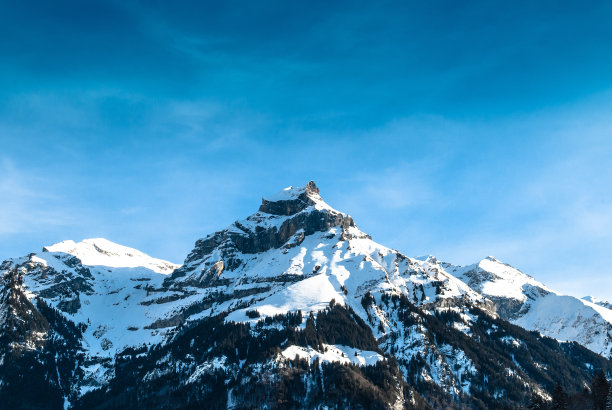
(113, 306)
(432, 269)
(460, 365)
(312, 294)
(329, 264)
(333, 353)
(567, 318)
(491, 277)
(215, 363)
(509, 340)
(559, 316)
(288, 194)
(596, 301)
(100, 251)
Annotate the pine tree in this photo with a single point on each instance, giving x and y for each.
(536, 402)
(559, 399)
(600, 388)
(609, 401)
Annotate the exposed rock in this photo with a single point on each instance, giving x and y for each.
(164, 323)
(22, 327)
(292, 206)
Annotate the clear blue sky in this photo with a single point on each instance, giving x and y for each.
(459, 129)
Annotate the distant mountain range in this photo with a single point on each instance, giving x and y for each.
(291, 307)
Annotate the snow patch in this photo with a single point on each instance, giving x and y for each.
(333, 353)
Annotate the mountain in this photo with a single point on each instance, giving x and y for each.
(522, 300)
(291, 307)
(99, 288)
(599, 302)
(102, 252)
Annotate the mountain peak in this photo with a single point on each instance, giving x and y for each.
(597, 301)
(100, 245)
(100, 251)
(291, 200)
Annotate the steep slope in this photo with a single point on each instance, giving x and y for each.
(522, 300)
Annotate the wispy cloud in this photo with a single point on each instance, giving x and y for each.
(27, 205)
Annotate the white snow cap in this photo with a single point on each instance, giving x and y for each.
(292, 200)
(100, 251)
(310, 189)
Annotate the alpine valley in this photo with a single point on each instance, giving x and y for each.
(291, 307)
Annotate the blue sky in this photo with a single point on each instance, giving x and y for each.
(459, 129)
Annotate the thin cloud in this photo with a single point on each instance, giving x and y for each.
(26, 206)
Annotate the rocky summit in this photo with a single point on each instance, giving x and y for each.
(291, 307)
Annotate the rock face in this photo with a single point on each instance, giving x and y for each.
(291, 201)
(23, 327)
(295, 294)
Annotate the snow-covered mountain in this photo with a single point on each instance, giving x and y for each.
(297, 252)
(599, 302)
(101, 284)
(293, 306)
(522, 300)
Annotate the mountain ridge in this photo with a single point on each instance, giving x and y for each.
(287, 270)
(101, 251)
